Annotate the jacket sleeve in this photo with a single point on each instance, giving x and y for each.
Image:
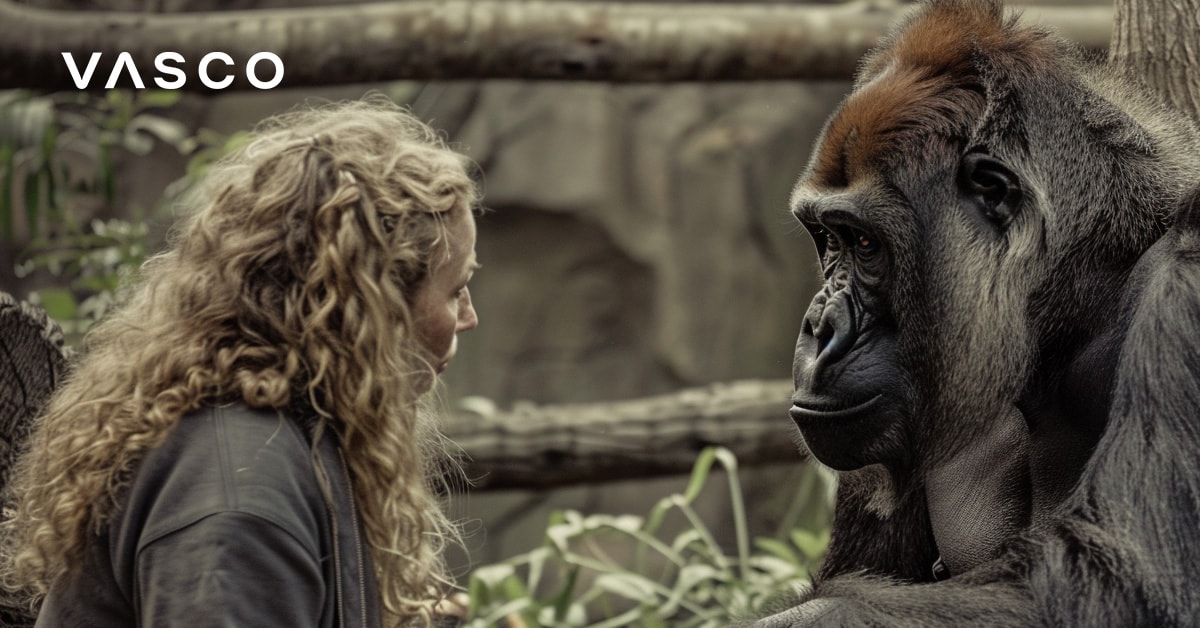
(229, 569)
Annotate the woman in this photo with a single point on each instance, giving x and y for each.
(241, 443)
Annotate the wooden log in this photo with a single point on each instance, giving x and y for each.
(535, 447)
(472, 39)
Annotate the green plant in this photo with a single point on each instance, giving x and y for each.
(58, 149)
(93, 263)
(57, 164)
(572, 580)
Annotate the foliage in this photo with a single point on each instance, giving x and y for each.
(60, 151)
(57, 148)
(93, 263)
(687, 581)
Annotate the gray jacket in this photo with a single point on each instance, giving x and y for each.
(224, 524)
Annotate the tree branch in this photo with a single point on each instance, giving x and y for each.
(478, 39)
(557, 445)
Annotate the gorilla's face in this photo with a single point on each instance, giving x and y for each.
(851, 396)
(929, 260)
(925, 255)
(903, 338)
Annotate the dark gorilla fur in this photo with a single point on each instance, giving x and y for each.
(1004, 362)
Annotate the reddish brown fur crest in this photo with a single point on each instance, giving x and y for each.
(923, 84)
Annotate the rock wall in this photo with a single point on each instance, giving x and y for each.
(638, 238)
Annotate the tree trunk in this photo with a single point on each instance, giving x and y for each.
(537, 447)
(474, 39)
(1158, 42)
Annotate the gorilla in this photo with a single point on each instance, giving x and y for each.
(1003, 364)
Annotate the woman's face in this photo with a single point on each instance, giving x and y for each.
(442, 308)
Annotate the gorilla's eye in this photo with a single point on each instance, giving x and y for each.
(864, 243)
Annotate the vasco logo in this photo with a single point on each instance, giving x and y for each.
(171, 76)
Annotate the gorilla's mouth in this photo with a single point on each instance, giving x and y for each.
(808, 411)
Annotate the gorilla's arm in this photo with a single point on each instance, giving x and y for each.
(863, 601)
(1124, 551)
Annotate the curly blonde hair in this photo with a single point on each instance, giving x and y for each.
(290, 284)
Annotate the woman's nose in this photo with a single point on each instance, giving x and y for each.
(468, 319)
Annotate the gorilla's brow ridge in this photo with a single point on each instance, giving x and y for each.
(925, 81)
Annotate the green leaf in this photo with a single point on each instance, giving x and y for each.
(496, 617)
(33, 202)
(781, 570)
(537, 558)
(620, 621)
(699, 474)
(137, 143)
(25, 120)
(571, 526)
(778, 548)
(59, 303)
(625, 523)
(479, 593)
(172, 132)
(737, 505)
(575, 615)
(726, 458)
(102, 283)
(52, 193)
(628, 585)
(651, 620)
(157, 98)
(686, 539)
(811, 545)
(49, 141)
(557, 517)
(692, 575)
(493, 575)
(104, 174)
(513, 588)
(562, 601)
(7, 167)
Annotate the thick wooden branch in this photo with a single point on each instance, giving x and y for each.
(475, 39)
(557, 445)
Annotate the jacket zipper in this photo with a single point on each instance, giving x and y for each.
(339, 594)
(358, 550)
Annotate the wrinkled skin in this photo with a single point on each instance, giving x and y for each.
(1003, 234)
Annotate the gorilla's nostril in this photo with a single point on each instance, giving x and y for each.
(824, 333)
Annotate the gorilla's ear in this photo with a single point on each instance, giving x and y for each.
(989, 187)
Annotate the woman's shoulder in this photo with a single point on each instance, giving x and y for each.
(239, 431)
(227, 459)
(238, 443)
